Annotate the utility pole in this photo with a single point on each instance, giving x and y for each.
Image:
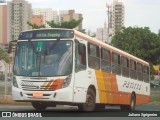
(102, 34)
(109, 15)
(108, 11)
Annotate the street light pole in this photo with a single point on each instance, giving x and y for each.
(102, 34)
(108, 14)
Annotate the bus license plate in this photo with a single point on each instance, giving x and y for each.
(37, 94)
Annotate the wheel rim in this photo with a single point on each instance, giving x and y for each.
(89, 100)
(133, 104)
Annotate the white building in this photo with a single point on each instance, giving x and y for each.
(102, 34)
(70, 15)
(116, 16)
(48, 14)
(19, 13)
(61, 13)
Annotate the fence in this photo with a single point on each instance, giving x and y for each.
(5, 78)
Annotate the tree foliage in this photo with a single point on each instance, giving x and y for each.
(66, 24)
(34, 26)
(140, 42)
(4, 56)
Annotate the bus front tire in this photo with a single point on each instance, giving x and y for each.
(39, 106)
(90, 101)
(132, 105)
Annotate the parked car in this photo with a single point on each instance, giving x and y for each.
(154, 83)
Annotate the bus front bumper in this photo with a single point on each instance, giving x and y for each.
(60, 95)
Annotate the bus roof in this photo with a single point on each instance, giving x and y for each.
(109, 47)
(47, 29)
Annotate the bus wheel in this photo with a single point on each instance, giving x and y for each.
(132, 104)
(39, 106)
(90, 101)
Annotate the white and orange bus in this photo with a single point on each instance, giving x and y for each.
(64, 66)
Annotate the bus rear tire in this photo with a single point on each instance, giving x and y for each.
(90, 101)
(39, 106)
(132, 105)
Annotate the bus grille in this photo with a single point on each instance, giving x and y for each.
(39, 86)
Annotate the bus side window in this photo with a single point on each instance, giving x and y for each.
(133, 71)
(80, 56)
(93, 56)
(105, 60)
(146, 74)
(140, 72)
(125, 66)
(116, 67)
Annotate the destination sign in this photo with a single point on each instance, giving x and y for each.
(46, 34)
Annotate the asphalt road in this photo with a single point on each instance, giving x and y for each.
(70, 111)
(148, 107)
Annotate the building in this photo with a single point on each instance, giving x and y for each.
(102, 34)
(3, 24)
(38, 20)
(72, 15)
(48, 15)
(61, 13)
(2, 1)
(116, 16)
(19, 13)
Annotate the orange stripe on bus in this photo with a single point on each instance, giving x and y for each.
(108, 91)
(48, 85)
(114, 83)
(107, 81)
(101, 86)
(57, 84)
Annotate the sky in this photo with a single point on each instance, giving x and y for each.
(139, 13)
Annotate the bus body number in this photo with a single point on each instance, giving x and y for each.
(131, 85)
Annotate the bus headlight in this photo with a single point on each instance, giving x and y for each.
(15, 82)
(66, 82)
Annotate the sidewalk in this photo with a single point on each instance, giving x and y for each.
(7, 99)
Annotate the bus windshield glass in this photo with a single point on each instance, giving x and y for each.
(43, 58)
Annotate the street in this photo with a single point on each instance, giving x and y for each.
(70, 111)
(148, 107)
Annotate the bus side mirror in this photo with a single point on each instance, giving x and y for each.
(10, 48)
(80, 49)
(11, 44)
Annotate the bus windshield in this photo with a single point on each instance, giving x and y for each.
(43, 58)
